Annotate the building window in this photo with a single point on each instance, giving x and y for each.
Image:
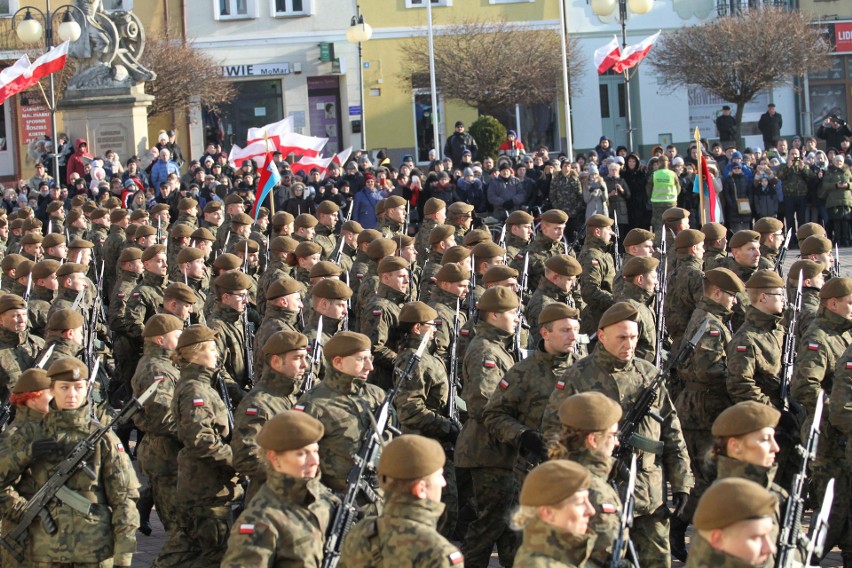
(510, 1)
(422, 3)
(8, 7)
(235, 9)
(284, 8)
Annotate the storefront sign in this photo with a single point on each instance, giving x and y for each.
(255, 70)
(843, 37)
(34, 117)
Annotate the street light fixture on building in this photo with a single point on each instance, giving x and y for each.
(605, 8)
(360, 31)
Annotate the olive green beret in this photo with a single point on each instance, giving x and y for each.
(203, 234)
(836, 288)
(32, 380)
(488, 249)
(617, 313)
(159, 208)
(440, 233)
(187, 203)
(283, 244)
(234, 199)
(227, 261)
(153, 251)
(744, 237)
(70, 268)
(732, 500)
(138, 215)
(477, 236)
(281, 219)
(768, 225)
(44, 268)
(290, 430)
(324, 269)
(590, 411)
(81, 244)
(554, 481)
(181, 292)
(284, 341)
(233, 281)
(380, 248)
(353, 227)
(563, 265)
(73, 215)
(189, 254)
(115, 215)
(556, 216)
(181, 231)
(744, 418)
(688, 238)
(807, 267)
(11, 302)
(403, 241)
(11, 261)
(380, 207)
(283, 287)
(328, 206)
(346, 343)
(112, 202)
(144, 231)
(78, 201)
(557, 311)
(598, 220)
(452, 272)
(498, 299)
(16, 224)
(496, 273)
(392, 264)
(809, 230)
(60, 320)
(54, 206)
(241, 219)
(520, 218)
(25, 212)
(240, 246)
(637, 237)
(130, 231)
(459, 208)
(130, 253)
(433, 205)
(161, 324)
(725, 279)
(411, 457)
(640, 265)
(307, 248)
(765, 279)
(68, 369)
(52, 240)
(305, 220)
(213, 206)
(674, 214)
(24, 269)
(32, 239)
(367, 236)
(815, 245)
(331, 289)
(31, 223)
(457, 253)
(195, 334)
(417, 312)
(394, 201)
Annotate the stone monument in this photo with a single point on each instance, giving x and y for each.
(105, 101)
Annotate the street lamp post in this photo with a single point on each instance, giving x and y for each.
(30, 30)
(359, 31)
(605, 8)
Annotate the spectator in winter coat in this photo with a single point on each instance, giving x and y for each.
(161, 169)
(635, 176)
(604, 149)
(511, 146)
(618, 193)
(594, 193)
(737, 190)
(76, 163)
(444, 189)
(366, 201)
(458, 143)
(470, 190)
(505, 193)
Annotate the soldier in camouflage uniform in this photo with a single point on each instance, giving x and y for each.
(329, 298)
(460, 215)
(380, 318)
(203, 240)
(44, 287)
(234, 205)
(307, 254)
(613, 370)
(178, 300)
(396, 209)
(287, 360)
(349, 232)
(213, 217)
(745, 256)
(178, 240)
(227, 319)
(361, 263)
(192, 272)
(548, 242)
(675, 220)
(491, 461)
(4, 235)
(72, 281)
(286, 522)
(327, 215)
(519, 230)
(31, 246)
(78, 225)
(819, 249)
(771, 239)
(685, 283)
(304, 227)
(113, 244)
(566, 194)
(13, 241)
(405, 534)
(640, 281)
(406, 250)
(598, 272)
(55, 247)
(485, 255)
(376, 251)
(715, 245)
(840, 420)
(441, 239)
(434, 214)
(187, 212)
(452, 284)
(279, 250)
(157, 452)
(284, 300)
(106, 534)
(812, 281)
(18, 347)
(637, 242)
(9, 283)
(560, 278)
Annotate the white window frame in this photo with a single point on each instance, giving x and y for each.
(422, 3)
(307, 10)
(251, 11)
(13, 7)
(441, 123)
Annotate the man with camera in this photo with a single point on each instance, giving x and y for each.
(795, 178)
(834, 131)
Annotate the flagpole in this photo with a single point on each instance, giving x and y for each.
(272, 190)
(703, 216)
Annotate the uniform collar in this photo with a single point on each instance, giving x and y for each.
(405, 506)
(729, 467)
(608, 361)
(342, 383)
(547, 540)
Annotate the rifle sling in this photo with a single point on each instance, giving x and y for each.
(644, 444)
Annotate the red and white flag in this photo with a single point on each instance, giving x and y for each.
(341, 157)
(306, 164)
(50, 62)
(633, 54)
(13, 79)
(23, 74)
(607, 56)
(270, 130)
(300, 145)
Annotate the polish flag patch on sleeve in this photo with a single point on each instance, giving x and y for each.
(504, 384)
(849, 364)
(595, 263)
(299, 408)
(465, 332)
(813, 346)
(608, 508)
(377, 312)
(120, 447)
(246, 528)
(135, 294)
(560, 385)
(359, 276)
(251, 411)
(489, 364)
(715, 333)
(197, 402)
(456, 558)
(120, 296)
(741, 348)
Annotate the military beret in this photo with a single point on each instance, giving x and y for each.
(24, 269)
(161, 324)
(459, 208)
(392, 264)
(16, 224)
(488, 249)
(498, 299)
(153, 251)
(590, 411)
(324, 269)
(138, 215)
(328, 206)
(417, 312)
(637, 237)
(411, 457)
(380, 248)
(563, 265)
(725, 279)
(367, 236)
(25, 212)
(639, 265)
(181, 292)
(345, 343)
(181, 231)
(81, 244)
(732, 500)
(496, 273)
(440, 233)
(290, 430)
(70, 268)
(714, 232)
(598, 220)
(674, 214)
(130, 231)
(130, 253)
(331, 289)
(144, 231)
(68, 369)
(262, 213)
(305, 220)
(74, 215)
(307, 248)
(112, 202)
(765, 279)
(234, 199)
(233, 281)
(688, 238)
(32, 380)
(457, 253)
(195, 334)
(32, 239)
(60, 320)
(743, 418)
(744, 237)
(78, 201)
(284, 341)
(188, 254)
(353, 227)
(203, 234)
(283, 287)
(556, 216)
(241, 219)
(433, 205)
(187, 203)
(115, 215)
(618, 312)
(836, 288)
(11, 261)
(283, 244)
(11, 302)
(281, 219)
(520, 218)
(240, 246)
(213, 206)
(159, 208)
(554, 481)
(815, 245)
(452, 272)
(227, 261)
(394, 201)
(44, 268)
(476, 237)
(54, 206)
(807, 267)
(809, 230)
(557, 311)
(768, 225)
(31, 223)
(403, 240)
(380, 207)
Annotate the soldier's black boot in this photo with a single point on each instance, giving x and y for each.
(677, 538)
(144, 506)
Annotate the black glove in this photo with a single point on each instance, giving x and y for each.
(532, 442)
(45, 447)
(508, 204)
(679, 501)
(453, 434)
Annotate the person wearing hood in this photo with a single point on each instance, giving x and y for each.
(77, 161)
(505, 192)
(366, 201)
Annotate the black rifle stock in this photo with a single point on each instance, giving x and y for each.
(788, 353)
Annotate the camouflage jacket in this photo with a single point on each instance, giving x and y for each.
(641, 299)
(276, 270)
(111, 250)
(514, 245)
(428, 282)
(546, 546)
(325, 238)
(206, 475)
(546, 293)
(109, 531)
(713, 258)
(75, 233)
(768, 256)
(231, 341)
(14, 496)
(360, 269)
(121, 291)
(421, 240)
(366, 290)
(347, 260)
(744, 272)
(840, 404)
(754, 359)
(276, 319)
(685, 289)
(540, 249)
(187, 219)
(380, 322)
(144, 303)
(38, 308)
(12, 286)
(18, 352)
(702, 555)
(618, 281)
(421, 405)
(445, 304)
(158, 450)
(330, 327)
(624, 381)
(345, 406)
(486, 361)
(567, 194)
(284, 524)
(404, 536)
(808, 313)
(595, 283)
(198, 286)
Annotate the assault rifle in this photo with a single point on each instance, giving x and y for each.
(617, 236)
(54, 488)
(6, 407)
(94, 316)
(29, 289)
(660, 302)
(501, 241)
(789, 537)
(248, 331)
(835, 266)
(782, 252)
(625, 521)
(520, 352)
(316, 353)
(471, 288)
(815, 543)
(365, 461)
(579, 236)
(339, 252)
(222, 387)
(452, 408)
(788, 353)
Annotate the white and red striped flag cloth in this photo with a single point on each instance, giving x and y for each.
(633, 54)
(607, 56)
(23, 74)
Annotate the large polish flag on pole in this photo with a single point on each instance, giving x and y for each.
(12, 79)
(23, 74)
(607, 56)
(633, 54)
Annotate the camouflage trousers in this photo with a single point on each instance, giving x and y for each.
(840, 519)
(657, 210)
(208, 529)
(650, 536)
(29, 564)
(176, 551)
(698, 444)
(496, 495)
(450, 499)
